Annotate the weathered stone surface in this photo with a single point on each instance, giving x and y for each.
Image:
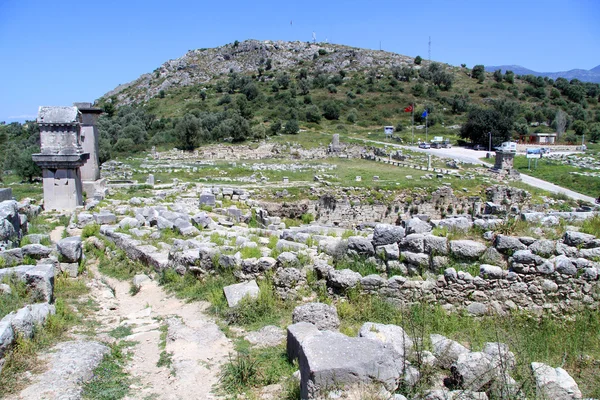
(69, 365)
(41, 311)
(235, 293)
(474, 370)
(105, 217)
(385, 234)
(508, 244)
(296, 334)
(70, 250)
(446, 351)
(487, 271)
(554, 383)
(543, 247)
(467, 249)
(575, 239)
(416, 225)
(565, 266)
(413, 242)
(22, 322)
(7, 336)
(477, 309)
(500, 354)
(12, 256)
(392, 335)
(207, 199)
(268, 336)
(437, 245)
(343, 279)
(456, 224)
(288, 277)
(288, 259)
(332, 360)
(322, 315)
(360, 245)
(37, 251)
(203, 220)
(128, 223)
(388, 252)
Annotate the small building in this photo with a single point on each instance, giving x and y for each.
(538, 138)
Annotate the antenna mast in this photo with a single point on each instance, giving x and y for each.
(314, 37)
(430, 49)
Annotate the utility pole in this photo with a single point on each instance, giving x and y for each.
(430, 49)
(490, 147)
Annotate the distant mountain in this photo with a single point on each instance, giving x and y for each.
(593, 75)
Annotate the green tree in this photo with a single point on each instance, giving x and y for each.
(24, 166)
(580, 127)
(313, 114)
(418, 60)
(188, 132)
(509, 77)
(594, 130)
(498, 120)
(331, 110)
(478, 72)
(291, 127)
(498, 75)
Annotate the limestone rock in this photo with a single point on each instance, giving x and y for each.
(235, 293)
(554, 383)
(70, 250)
(323, 316)
(343, 279)
(361, 246)
(37, 251)
(332, 359)
(385, 234)
(392, 335)
(467, 249)
(446, 351)
(416, 225)
(268, 336)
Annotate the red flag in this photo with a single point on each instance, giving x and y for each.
(408, 109)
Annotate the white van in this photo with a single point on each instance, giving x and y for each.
(508, 147)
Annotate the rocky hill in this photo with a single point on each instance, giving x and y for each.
(201, 66)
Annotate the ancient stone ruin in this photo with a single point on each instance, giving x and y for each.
(93, 186)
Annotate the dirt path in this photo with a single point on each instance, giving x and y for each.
(195, 346)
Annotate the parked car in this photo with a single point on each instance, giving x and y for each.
(446, 145)
(478, 147)
(545, 150)
(436, 145)
(424, 145)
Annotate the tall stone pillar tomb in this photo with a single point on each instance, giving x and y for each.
(61, 157)
(93, 186)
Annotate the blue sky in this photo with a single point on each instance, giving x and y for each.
(62, 51)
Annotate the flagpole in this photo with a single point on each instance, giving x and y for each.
(426, 115)
(412, 121)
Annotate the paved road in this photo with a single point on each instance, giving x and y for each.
(473, 157)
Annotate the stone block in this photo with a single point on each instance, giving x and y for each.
(322, 315)
(332, 360)
(70, 250)
(235, 293)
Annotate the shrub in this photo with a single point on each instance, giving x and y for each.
(331, 110)
(418, 60)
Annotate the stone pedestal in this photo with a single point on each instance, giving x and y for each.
(61, 157)
(505, 164)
